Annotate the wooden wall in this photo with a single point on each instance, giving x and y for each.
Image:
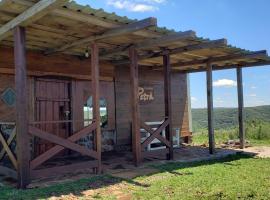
(153, 111)
(117, 77)
(82, 91)
(59, 64)
(7, 113)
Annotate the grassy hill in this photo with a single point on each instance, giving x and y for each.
(226, 118)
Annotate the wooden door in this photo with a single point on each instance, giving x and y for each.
(52, 104)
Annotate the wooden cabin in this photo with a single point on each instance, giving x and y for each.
(76, 81)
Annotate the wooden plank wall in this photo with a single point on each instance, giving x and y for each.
(153, 111)
(81, 92)
(7, 113)
(59, 64)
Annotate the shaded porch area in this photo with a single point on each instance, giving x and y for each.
(121, 164)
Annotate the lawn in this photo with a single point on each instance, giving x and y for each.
(234, 177)
(221, 136)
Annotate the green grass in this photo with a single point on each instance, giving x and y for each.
(234, 177)
(222, 136)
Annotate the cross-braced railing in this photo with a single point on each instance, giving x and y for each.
(60, 145)
(155, 133)
(7, 150)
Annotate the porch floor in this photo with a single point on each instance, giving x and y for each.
(120, 164)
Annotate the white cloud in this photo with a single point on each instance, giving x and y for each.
(225, 83)
(253, 87)
(252, 95)
(194, 99)
(136, 5)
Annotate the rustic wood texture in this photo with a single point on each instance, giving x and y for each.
(6, 149)
(134, 87)
(156, 134)
(82, 92)
(54, 65)
(154, 111)
(240, 107)
(52, 100)
(125, 29)
(168, 102)
(96, 104)
(210, 106)
(22, 139)
(8, 142)
(62, 142)
(30, 15)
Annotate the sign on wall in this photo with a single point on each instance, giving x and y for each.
(146, 95)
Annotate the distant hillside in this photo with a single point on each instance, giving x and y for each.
(228, 117)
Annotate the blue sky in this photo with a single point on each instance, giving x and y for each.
(245, 23)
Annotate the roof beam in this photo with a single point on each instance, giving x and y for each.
(230, 66)
(30, 15)
(122, 30)
(185, 49)
(252, 55)
(157, 42)
(89, 19)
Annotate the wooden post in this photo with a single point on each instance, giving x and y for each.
(210, 108)
(22, 138)
(167, 102)
(136, 135)
(96, 96)
(240, 107)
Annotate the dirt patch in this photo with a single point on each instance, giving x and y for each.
(260, 151)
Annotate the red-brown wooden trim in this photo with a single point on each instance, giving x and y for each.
(136, 135)
(55, 171)
(240, 107)
(62, 142)
(96, 97)
(22, 139)
(9, 140)
(209, 80)
(168, 101)
(156, 134)
(8, 151)
(57, 149)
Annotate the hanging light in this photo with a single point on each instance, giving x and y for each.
(86, 53)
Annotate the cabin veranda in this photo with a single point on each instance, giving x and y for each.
(77, 83)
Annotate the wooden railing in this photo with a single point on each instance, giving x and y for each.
(155, 134)
(60, 145)
(6, 150)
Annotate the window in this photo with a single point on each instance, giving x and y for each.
(88, 112)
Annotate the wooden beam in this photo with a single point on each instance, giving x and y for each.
(42, 73)
(181, 50)
(134, 83)
(229, 66)
(22, 137)
(240, 107)
(157, 42)
(32, 14)
(57, 149)
(122, 30)
(96, 97)
(168, 102)
(89, 19)
(215, 60)
(210, 108)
